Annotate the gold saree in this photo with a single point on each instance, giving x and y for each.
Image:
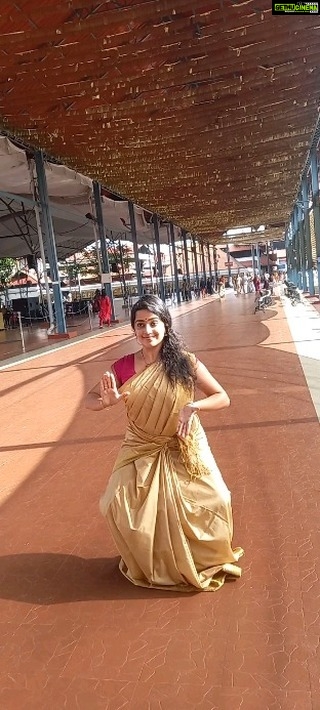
(173, 530)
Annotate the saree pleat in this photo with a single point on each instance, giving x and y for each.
(172, 531)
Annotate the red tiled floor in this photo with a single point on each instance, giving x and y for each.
(74, 633)
(35, 335)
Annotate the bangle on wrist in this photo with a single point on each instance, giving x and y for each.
(193, 407)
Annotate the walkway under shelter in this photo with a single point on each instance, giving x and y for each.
(218, 129)
(74, 632)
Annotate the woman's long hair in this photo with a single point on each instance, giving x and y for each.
(176, 362)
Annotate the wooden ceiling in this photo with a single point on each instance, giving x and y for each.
(200, 111)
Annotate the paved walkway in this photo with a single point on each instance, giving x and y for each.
(75, 634)
(34, 337)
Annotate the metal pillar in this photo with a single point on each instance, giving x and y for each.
(42, 252)
(135, 247)
(295, 265)
(267, 255)
(203, 262)
(209, 260)
(253, 259)
(289, 262)
(301, 244)
(175, 265)
(95, 234)
(187, 285)
(123, 277)
(289, 254)
(229, 265)
(216, 273)
(170, 258)
(258, 259)
(194, 249)
(186, 255)
(316, 207)
(47, 225)
(307, 235)
(106, 277)
(159, 259)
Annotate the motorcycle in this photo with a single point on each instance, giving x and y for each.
(292, 292)
(263, 300)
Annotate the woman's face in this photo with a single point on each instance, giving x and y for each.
(149, 329)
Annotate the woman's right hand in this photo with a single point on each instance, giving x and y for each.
(108, 390)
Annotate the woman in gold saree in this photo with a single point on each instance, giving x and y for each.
(166, 502)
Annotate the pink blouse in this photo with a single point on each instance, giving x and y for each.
(124, 368)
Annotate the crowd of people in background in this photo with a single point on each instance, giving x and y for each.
(242, 283)
(249, 283)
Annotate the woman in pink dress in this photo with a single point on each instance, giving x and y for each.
(104, 310)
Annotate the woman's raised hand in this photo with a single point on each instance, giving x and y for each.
(108, 390)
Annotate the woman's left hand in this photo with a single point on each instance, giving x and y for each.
(185, 420)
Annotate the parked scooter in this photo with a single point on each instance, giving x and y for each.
(292, 292)
(263, 300)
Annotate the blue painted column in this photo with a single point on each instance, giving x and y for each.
(135, 247)
(47, 225)
(159, 259)
(34, 187)
(301, 244)
(106, 276)
(209, 260)
(216, 272)
(175, 265)
(295, 267)
(307, 234)
(228, 260)
(187, 286)
(316, 207)
(289, 254)
(186, 255)
(300, 247)
(203, 262)
(291, 264)
(253, 259)
(258, 258)
(195, 256)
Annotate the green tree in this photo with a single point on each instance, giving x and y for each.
(7, 268)
(117, 252)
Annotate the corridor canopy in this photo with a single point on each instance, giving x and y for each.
(70, 206)
(202, 112)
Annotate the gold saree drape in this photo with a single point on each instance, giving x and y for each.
(173, 531)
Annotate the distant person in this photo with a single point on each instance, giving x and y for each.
(244, 283)
(104, 310)
(203, 290)
(8, 319)
(238, 284)
(266, 281)
(222, 286)
(257, 283)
